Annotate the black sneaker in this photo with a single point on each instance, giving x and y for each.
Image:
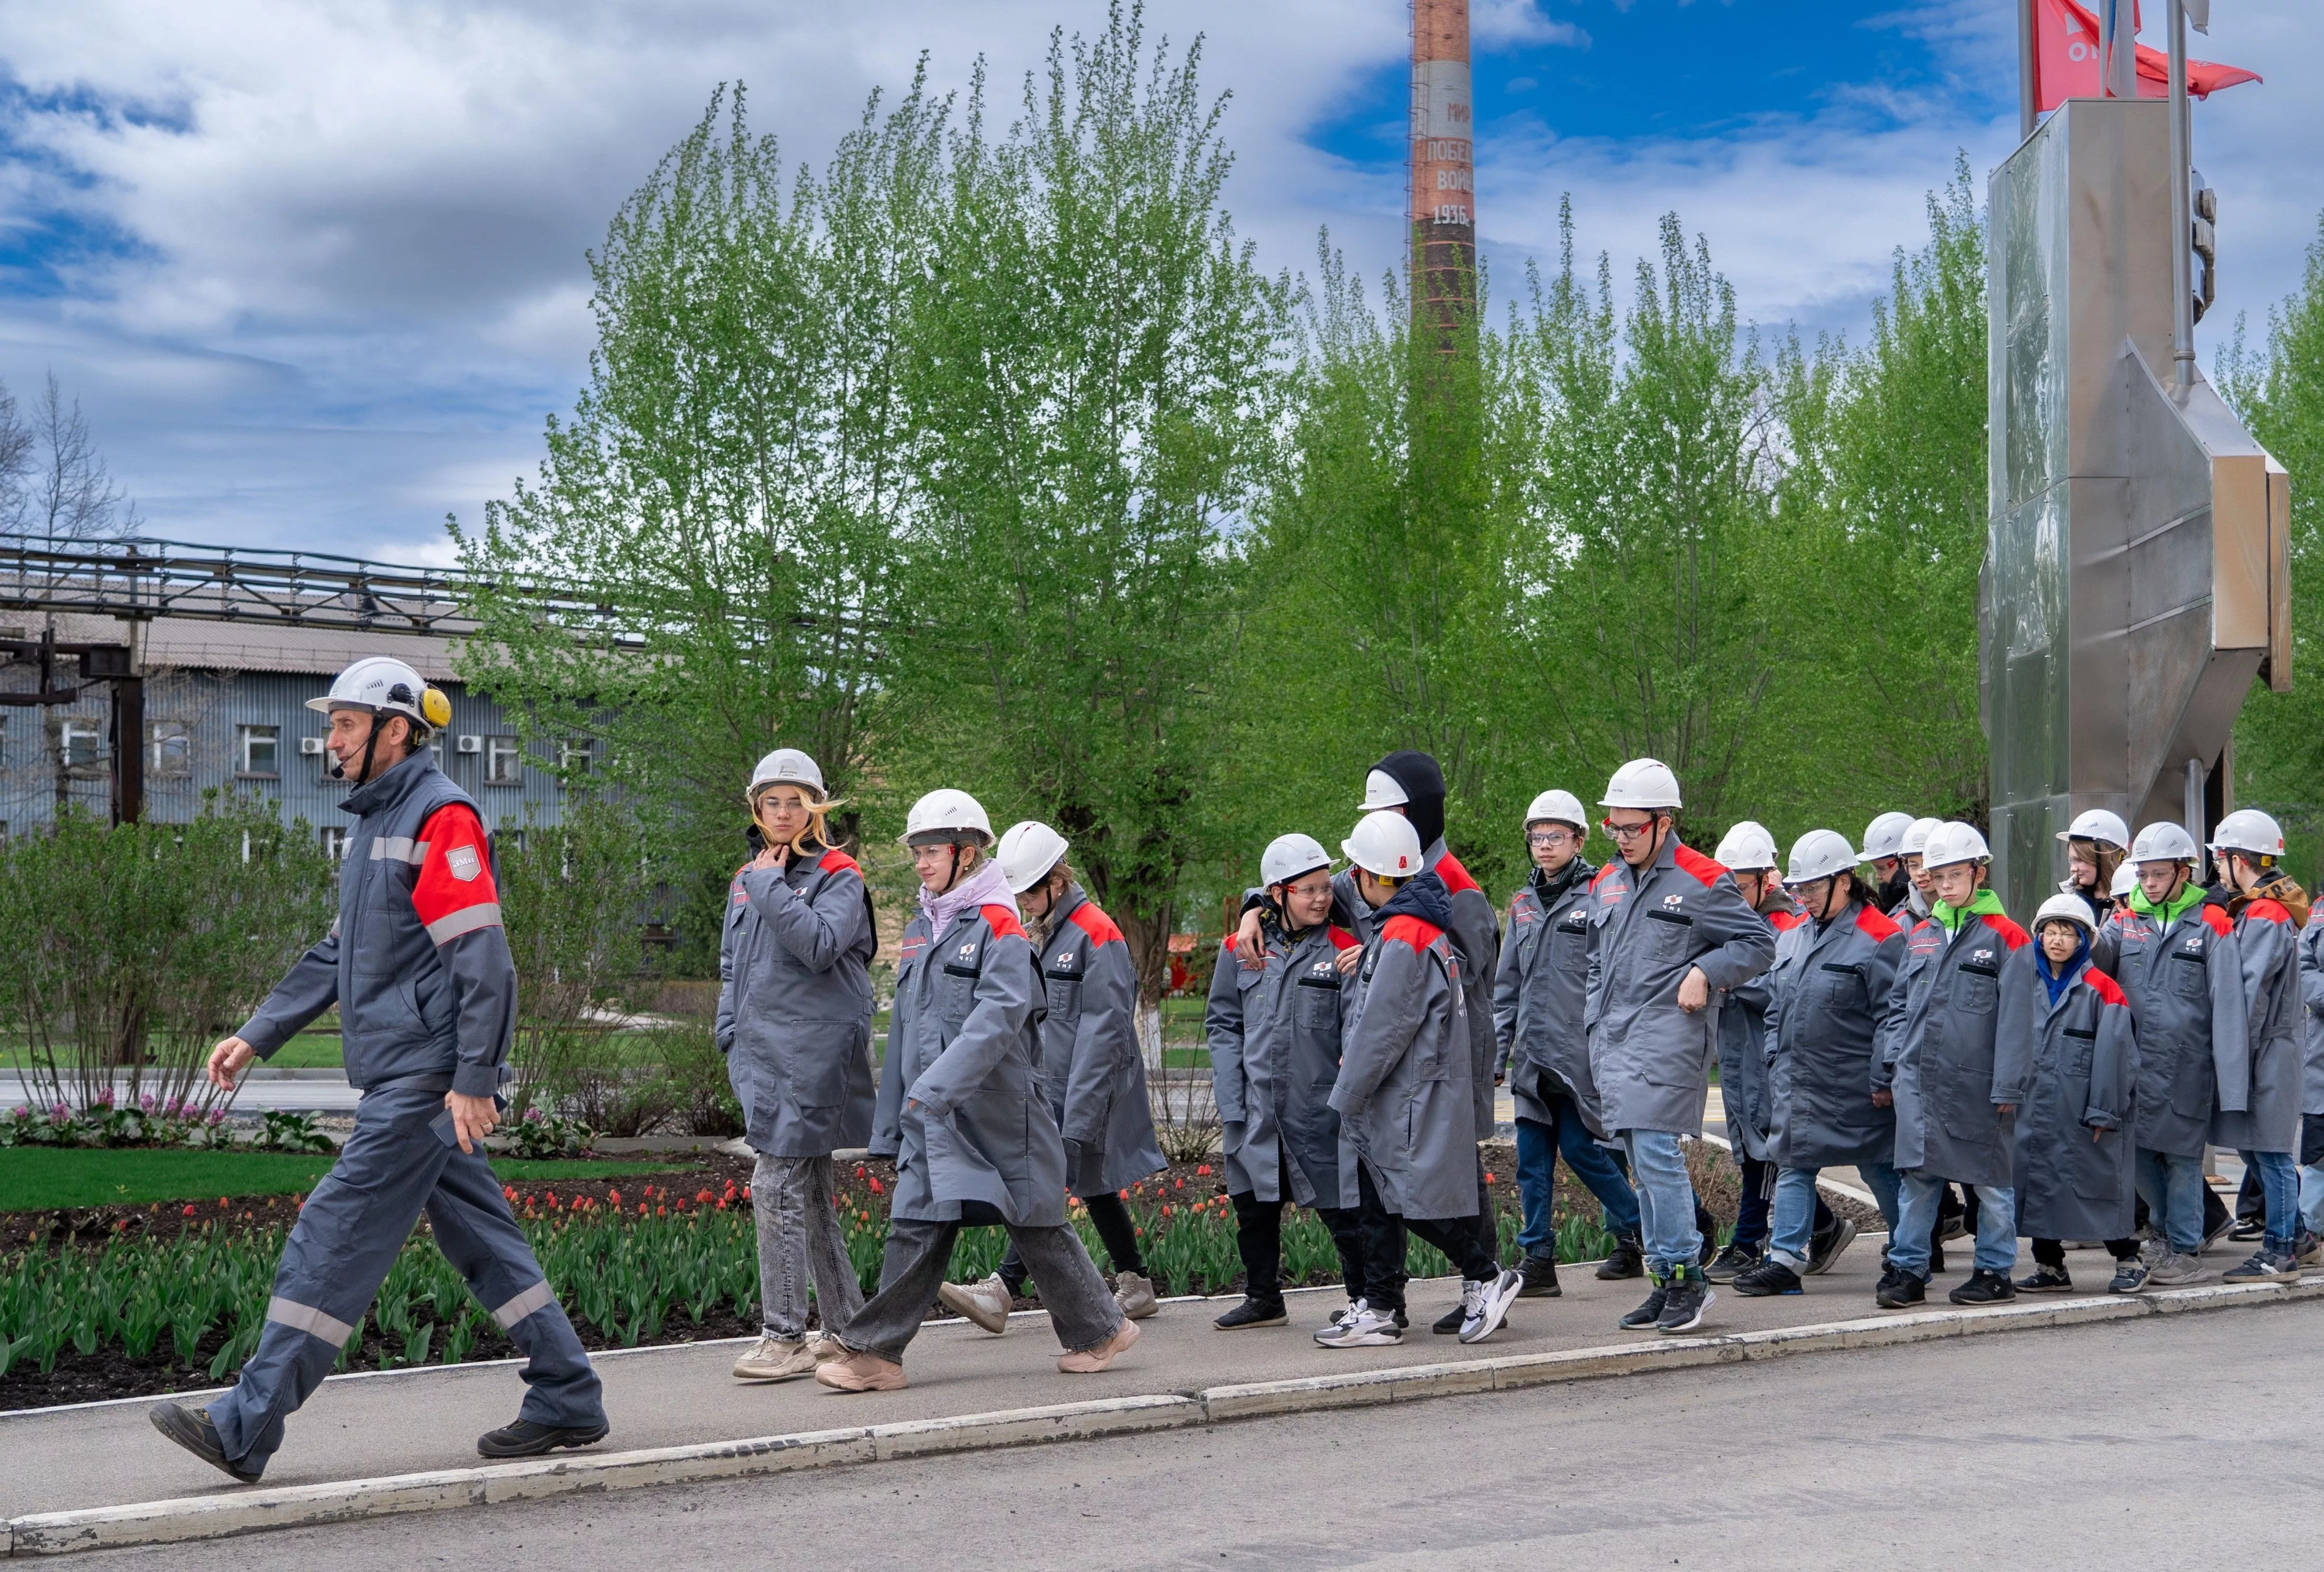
(1448, 1324)
(526, 1440)
(1253, 1312)
(1648, 1313)
(1900, 1289)
(191, 1429)
(1953, 1218)
(1683, 1305)
(1539, 1273)
(2308, 1249)
(1985, 1288)
(1828, 1243)
(2264, 1266)
(1767, 1279)
(1706, 1226)
(2248, 1229)
(1626, 1259)
(2129, 1276)
(1733, 1261)
(1936, 1259)
(2046, 1279)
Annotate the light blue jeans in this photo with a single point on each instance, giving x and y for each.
(1796, 1204)
(1919, 1192)
(2173, 1188)
(2279, 1189)
(2311, 1199)
(1665, 1201)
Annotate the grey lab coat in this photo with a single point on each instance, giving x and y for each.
(960, 1047)
(1275, 1031)
(2311, 997)
(1651, 1059)
(1403, 1093)
(1475, 931)
(795, 1005)
(2268, 947)
(1539, 994)
(1829, 992)
(1952, 1056)
(2084, 1060)
(1090, 1066)
(2186, 988)
(1743, 1054)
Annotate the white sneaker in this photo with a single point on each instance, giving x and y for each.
(1486, 1304)
(985, 1303)
(1362, 1327)
(1135, 1295)
(1340, 1317)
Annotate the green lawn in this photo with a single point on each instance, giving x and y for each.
(34, 1179)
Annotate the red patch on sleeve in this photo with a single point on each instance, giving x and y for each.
(1407, 929)
(1785, 922)
(2218, 919)
(839, 862)
(2104, 987)
(2268, 911)
(1702, 868)
(1343, 939)
(1001, 920)
(1456, 877)
(1599, 877)
(439, 891)
(2011, 934)
(1100, 928)
(1228, 944)
(1872, 922)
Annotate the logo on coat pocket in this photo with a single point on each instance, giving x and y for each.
(464, 863)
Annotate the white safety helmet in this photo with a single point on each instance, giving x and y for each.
(1029, 851)
(1382, 790)
(383, 685)
(1822, 854)
(2247, 829)
(784, 767)
(1558, 808)
(1288, 857)
(1385, 845)
(2073, 909)
(1954, 843)
(1747, 847)
(2164, 841)
(1916, 839)
(1644, 783)
(1883, 838)
(2126, 880)
(2096, 824)
(944, 814)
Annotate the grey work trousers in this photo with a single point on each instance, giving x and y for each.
(799, 1237)
(1081, 1309)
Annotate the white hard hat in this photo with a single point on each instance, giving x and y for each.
(2247, 829)
(1642, 783)
(1954, 843)
(1558, 808)
(1385, 845)
(1916, 839)
(384, 685)
(2164, 841)
(1027, 852)
(2098, 823)
(2126, 879)
(785, 767)
(946, 810)
(1883, 838)
(1382, 790)
(1822, 854)
(1288, 857)
(2072, 908)
(1747, 846)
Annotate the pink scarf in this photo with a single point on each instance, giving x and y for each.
(984, 887)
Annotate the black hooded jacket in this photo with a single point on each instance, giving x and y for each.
(1424, 789)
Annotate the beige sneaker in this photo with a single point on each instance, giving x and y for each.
(986, 1303)
(1135, 1295)
(826, 1349)
(773, 1359)
(2175, 1269)
(860, 1372)
(1090, 1361)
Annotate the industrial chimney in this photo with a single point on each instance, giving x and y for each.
(1442, 209)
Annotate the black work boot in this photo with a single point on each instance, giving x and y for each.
(191, 1427)
(524, 1438)
(1540, 1278)
(1900, 1289)
(1626, 1259)
(1256, 1311)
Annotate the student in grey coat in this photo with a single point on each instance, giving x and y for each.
(2312, 1099)
(1957, 1075)
(794, 1024)
(2175, 954)
(2268, 909)
(961, 1112)
(1669, 929)
(1408, 1132)
(2074, 1170)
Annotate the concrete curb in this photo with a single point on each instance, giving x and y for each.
(310, 1505)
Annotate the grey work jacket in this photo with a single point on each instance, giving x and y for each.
(2268, 947)
(1089, 1068)
(960, 1047)
(1952, 1056)
(1743, 1054)
(1829, 994)
(418, 961)
(1275, 1029)
(2186, 989)
(1539, 996)
(1652, 1059)
(2312, 998)
(1403, 1093)
(1476, 936)
(2079, 1077)
(795, 1005)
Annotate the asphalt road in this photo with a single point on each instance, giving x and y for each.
(2165, 1441)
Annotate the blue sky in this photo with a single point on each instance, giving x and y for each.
(315, 270)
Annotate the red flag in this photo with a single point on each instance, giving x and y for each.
(2066, 60)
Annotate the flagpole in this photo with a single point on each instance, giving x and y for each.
(2028, 46)
(2182, 225)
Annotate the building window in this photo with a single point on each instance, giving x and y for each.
(257, 751)
(574, 754)
(335, 842)
(503, 762)
(81, 742)
(169, 750)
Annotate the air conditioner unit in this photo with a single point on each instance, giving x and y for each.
(472, 744)
(311, 746)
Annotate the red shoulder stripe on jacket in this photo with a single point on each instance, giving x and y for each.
(1456, 877)
(1100, 928)
(2218, 919)
(1343, 939)
(2011, 934)
(1703, 870)
(1416, 932)
(1229, 944)
(1877, 924)
(2268, 911)
(454, 894)
(838, 862)
(1001, 920)
(2104, 986)
(1599, 877)
(1785, 922)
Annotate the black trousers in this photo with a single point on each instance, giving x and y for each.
(1258, 1241)
(1457, 1237)
(2053, 1252)
(1115, 1231)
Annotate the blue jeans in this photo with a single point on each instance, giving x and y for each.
(1665, 1202)
(2311, 1199)
(1538, 1148)
(2279, 1189)
(2173, 1188)
(1797, 1206)
(1918, 1193)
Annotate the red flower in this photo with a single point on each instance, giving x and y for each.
(661, 1211)
(189, 1208)
(1489, 1176)
(615, 1196)
(746, 1192)
(641, 1208)
(702, 1196)
(1204, 1171)
(877, 1189)
(221, 1203)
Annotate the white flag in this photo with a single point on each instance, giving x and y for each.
(2199, 16)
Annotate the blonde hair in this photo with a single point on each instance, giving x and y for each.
(819, 810)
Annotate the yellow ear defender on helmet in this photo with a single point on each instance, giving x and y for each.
(434, 709)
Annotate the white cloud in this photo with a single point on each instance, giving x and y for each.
(1502, 23)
